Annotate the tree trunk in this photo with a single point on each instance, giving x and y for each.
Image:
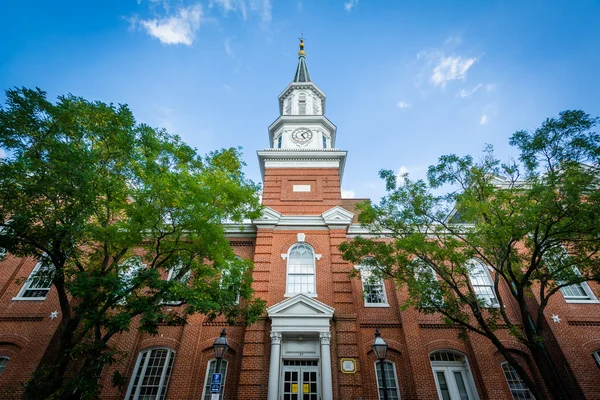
(546, 368)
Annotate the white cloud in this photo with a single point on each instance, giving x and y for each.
(453, 41)
(469, 92)
(483, 120)
(451, 68)
(350, 4)
(245, 7)
(178, 29)
(348, 194)
(228, 49)
(415, 172)
(403, 104)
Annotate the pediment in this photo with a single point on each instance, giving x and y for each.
(300, 306)
(337, 216)
(268, 216)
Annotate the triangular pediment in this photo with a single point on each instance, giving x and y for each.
(268, 216)
(300, 306)
(337, 216)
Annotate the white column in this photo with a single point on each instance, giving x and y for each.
(273, 392)
(327, 383)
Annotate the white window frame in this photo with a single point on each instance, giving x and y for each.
(366, 270)
(28, 282)
(590, 296)
(3, 363)
(475, 263)
(287, 276)
(515, 391)
(452, 366)
(184, 279)
(378, 371)
(164, 380)
(596, 356)
(207, 377)
(302, 104)
(237, 298)
(423, 269)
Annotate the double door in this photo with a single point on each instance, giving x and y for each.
(453, 383)
(300, 382)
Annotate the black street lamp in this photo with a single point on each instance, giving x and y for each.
(221, 346)
(380, 349)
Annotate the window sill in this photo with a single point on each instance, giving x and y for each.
(295, 294)
(29, 298)
(582, 301)
(377, 305)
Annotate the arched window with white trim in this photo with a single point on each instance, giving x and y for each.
(452, 376)
(430, 291)
(482, 283)
(391, 380)
(301, 270)
(150, 377)
(3, 363)
(518, 388)
(210, 370)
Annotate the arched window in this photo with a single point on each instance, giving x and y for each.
(452, 376)
(3, 362)
(391, 380)
(38, 284)
(373, 286)
(212, 365)
(150, 377)
(302, 104)
(596, 356)
(517, 387)
(482, 283)
(301, 270)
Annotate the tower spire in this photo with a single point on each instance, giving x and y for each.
(302, 74)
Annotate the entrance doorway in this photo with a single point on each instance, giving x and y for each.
(452, 376)
(300, 380)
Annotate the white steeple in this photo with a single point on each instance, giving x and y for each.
(301, 123)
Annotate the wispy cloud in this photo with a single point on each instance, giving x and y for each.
(464, 93)
(483, 120)
(414, 172)
(453, 41)
(350, 4)
(180, 28)
(451, 68)
(403, 104)
(348, 194)
(228, 49)
(246, 7)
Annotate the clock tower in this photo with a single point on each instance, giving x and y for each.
(302, 165)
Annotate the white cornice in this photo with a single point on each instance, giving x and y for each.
(337, 216)
(305, 158)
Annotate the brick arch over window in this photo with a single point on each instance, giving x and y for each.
(445, 344)
(394, 347)
(164, 341)
(17, 340)
(287, 244)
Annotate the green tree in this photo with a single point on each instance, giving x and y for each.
(109, 207)
(533, 222)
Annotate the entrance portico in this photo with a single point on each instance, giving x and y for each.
(300, 349)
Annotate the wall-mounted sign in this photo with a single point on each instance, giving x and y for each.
(348, 365)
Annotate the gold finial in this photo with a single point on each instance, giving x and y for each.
(301, 52)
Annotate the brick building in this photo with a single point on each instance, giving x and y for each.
(315, 341)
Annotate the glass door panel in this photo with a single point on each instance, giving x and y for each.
(443, 385)
(309, 385)
(291, 384)
(460, 385)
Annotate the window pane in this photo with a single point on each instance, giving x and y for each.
(3, 362)
(482, 284)
(211, 370)
(390, 380)
(152, 375)
(443, 385)
(460, 385)
(517, 386)
(301, 270)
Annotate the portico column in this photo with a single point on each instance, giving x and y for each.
(273, 392)
(325, 338)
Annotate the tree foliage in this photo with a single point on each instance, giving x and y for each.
(534, 222)
(111, 207)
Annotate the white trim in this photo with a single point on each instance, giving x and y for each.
(361, 269)
(476, 263)
(170, 355)
(464, 365)
(287, 271)
(206, 376)
(27, 283)
(378, 370)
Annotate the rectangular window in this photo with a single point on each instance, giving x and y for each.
(482, 284)
(373, 287)
(279, 142)
(37, 286)
(302, 107)
(577, 292)
(324, 142)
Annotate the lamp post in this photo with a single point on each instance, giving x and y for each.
(380, 349)
(220, 346)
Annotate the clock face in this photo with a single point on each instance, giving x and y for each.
(302, 135)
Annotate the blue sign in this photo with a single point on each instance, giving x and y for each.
(215, 388)
(217, 378)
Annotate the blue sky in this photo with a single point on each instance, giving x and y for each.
(407, 81)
